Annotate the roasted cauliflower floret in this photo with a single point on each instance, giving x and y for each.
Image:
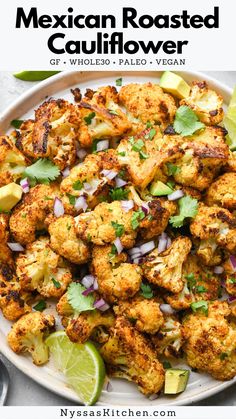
(215, 223)
(209, 252)
(169, 339)
(144, 314)
(105, 223)
(204, 153)
(117, 279)
(12, 161)
(230, 277)
(101, 116)
(205, 102)
(200, 283)
(147, 103)
(129, 355)
(64, 241)
(53, 134)
(222, 192)
(41, 269)
(29, 215)
(28, 334)
(165, 269)
(211, 341)
(5, 253)
(14, 302)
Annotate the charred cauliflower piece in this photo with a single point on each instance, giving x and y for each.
(200, 283)
(28, 334)
(169, 339)
(29, 215)
(205, 102)
(106, 222)
(144, 314)
(147, 103)
(204, 153)
(5, 253)
(101, 116)
(117, 279)
(129, 355)
(64, 241)
(222, 192)
(208, 252)
(39, 268)
(165, 269)
(12, 161)
(211, 341)
(215, 223)
(53, 134)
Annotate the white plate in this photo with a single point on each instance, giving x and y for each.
(124, 393)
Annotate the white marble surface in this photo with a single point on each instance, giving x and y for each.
(24, 391)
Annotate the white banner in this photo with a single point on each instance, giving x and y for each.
(123, 35)
(206, 412)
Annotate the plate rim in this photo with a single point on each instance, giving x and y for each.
(5, 118)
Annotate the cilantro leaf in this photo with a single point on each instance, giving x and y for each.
(172, 169)
(16, 123)
(149, 124)
(119, 81)
(232, 280)
(88, 119)
(136, 217)
(186, 121)
(191, 281)
(152, 133)
(166, 365)
(56, 283)
(42, 171)
(138, 145)
(142, 155)
(119, 228)
(146, 291)
(188, 208)
(71, 198)
(118, 194)
(40, 306)
(78, 185)
(200, 289)
(200, 305)
(77, 300)
(223, 355)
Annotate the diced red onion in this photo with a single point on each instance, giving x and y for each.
(145, 208)
(167, 309)
(168, 244)
(65, 172)
(218, 270)
(87, 186)
(101, 305)
(88, 291)
(58, 208)
(162, 244)
(127, 205)
(109, 387)
(233, 262)
(137, 260)
(134, 250)
(102, 145)
(81, 153)
(88, 281)
(223, 284)
(118, 245)
(109, 174)
(153, 397)
(147, 247)
(95, 284)
(120, 182)
(81, 203)
(231, 299)
(175, 195)
(24, 183)
(16, 247)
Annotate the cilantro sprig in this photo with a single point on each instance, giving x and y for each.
(186, 121)
(119, 228)
(77, 300)
(188, 208)
(42, 171)
(118, 194)
(146, 291)
(137, 216)
(200, 305)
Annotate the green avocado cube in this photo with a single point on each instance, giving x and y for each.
(176, 380)
(174, 84)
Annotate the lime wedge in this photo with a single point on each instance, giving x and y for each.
(230, 122)
(81, 364)
(34, 75)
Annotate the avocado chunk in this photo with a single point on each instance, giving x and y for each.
(171, 83)
(159, 189)
(175, 380)
(10, 195)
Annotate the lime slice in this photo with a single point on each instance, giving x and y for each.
(81, 364)
(230, 122)
(34, 75)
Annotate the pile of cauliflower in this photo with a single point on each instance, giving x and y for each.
(161, 281)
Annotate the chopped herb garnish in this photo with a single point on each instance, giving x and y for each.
(232, 280)
(146, 291)
(40, 306)
(171, 184)
(143, 156)
(167, 365)
(89, 237)
(78, 185)
(200, 289)
(94, 146)
(138, 145)
(77, 300)
(88, 119)
(118, 194)
(16, 123)
(188, 208)
(149, 124)
(136, 217)
(200, 305)
(72, 199)
(47, 198)
(191, 281)
(112, 112)
(223, 355)
(119, 82)
(152, 134)
(24, 215)
(42, 171)
(119, 228)
(131, 140)
(113, 251)
(186, 121)
(68, 226)
(122, 153)
(172, 169)
(56, 283)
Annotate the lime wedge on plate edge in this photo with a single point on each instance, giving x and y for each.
(34, 75)
(82, 365)
(230, 122)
